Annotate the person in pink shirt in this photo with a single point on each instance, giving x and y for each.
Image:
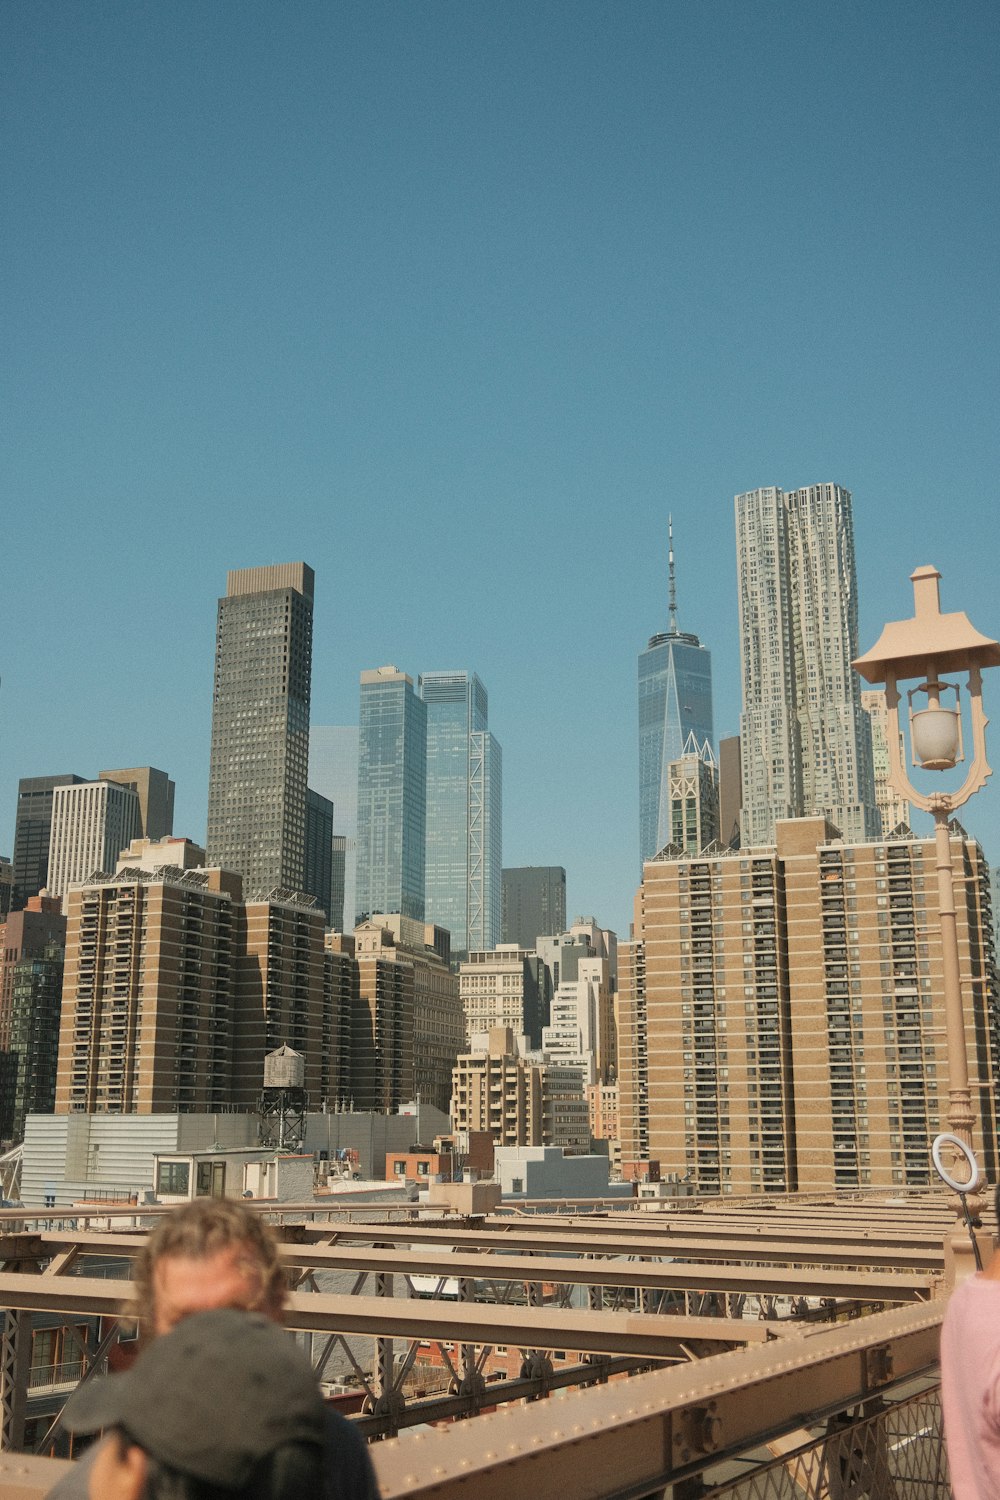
(970, 1383)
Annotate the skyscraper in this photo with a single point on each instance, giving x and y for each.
(534, 903)
(260, 727)
(805, 739)
(392, 795)
(464, 792)
(730, 789)
(32, 831)
(92, 822)
(675, 716)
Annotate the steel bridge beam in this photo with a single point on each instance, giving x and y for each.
(633, 1437)
(889, 1286)
(687, 1246)
(637, 1335)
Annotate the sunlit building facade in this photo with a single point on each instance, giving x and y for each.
(805, 740)
(781, 1016)
(92, 822)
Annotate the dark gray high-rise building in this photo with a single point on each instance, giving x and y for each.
(36, 991)
(260, 727)
(533, 903)
(319, 851)
(338, 882)
(32, 831)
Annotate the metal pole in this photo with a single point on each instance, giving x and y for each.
(960, 1115)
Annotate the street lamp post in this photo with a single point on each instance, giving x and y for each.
(931, 644)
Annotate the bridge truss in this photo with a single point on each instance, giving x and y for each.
(694, 1348)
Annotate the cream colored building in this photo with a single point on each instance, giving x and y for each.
(155, 791)
(92, 822)
(633, 1052)
(382, 1024)
(781, 1020)
(496, 1090)
(893, 808)
(503, 986)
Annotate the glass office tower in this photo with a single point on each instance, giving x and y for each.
(392, 793)
(464, 807)
(675, 712)
(675, 715)
(260, 727)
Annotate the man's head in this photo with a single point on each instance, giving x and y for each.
(225, 1405)
(208, 1254)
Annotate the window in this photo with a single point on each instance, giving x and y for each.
(211, 1179)
(173, 1178)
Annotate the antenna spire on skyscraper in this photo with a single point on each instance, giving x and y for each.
(673, 582)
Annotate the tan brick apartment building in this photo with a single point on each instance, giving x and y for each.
(781, 1021)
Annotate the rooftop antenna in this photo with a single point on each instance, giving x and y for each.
(673, 581)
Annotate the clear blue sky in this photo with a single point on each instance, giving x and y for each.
(456, 301)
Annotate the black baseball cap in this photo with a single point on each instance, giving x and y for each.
(212, 1399)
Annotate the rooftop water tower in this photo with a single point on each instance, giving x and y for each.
(283, 1101)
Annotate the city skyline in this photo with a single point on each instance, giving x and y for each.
(460, 313)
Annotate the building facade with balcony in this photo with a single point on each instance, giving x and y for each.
(781, 1015)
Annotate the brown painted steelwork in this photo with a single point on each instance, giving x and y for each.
(579, 1329)
(635, 1436)
(891, 1286)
